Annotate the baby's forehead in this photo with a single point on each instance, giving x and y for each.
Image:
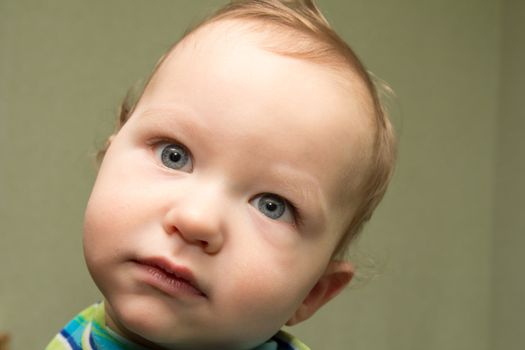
(227, 35)
(220, 38)
(228, 38)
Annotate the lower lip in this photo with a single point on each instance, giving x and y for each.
(167, 283)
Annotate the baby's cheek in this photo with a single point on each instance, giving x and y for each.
(94, 225)
(105, 224)
(265, 294)
(110, 208)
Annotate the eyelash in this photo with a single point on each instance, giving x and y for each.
(153, 144)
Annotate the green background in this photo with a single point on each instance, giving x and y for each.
(441, 263)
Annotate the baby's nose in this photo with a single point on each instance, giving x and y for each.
(198, 220)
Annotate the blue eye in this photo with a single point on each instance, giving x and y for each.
(175, 156)
(274, 207)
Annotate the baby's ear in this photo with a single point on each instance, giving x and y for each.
(335, 278)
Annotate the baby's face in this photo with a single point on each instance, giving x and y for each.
(218, 204)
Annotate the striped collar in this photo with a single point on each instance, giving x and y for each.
(88, 331)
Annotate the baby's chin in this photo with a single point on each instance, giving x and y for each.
(133, 320)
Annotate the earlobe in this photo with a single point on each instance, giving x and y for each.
(336, 277)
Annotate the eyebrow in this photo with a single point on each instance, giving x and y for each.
(164, 119)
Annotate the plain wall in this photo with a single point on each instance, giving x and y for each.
(509, 224)
(444, 242)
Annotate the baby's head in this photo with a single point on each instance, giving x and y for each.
(254, 155)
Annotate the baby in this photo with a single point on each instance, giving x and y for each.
(227, 197)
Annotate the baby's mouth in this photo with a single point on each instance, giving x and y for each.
(170, 278)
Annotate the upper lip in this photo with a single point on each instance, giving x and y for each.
(171, 268)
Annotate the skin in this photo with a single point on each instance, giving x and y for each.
(253, 122)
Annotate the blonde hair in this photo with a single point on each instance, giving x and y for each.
(297, 28)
